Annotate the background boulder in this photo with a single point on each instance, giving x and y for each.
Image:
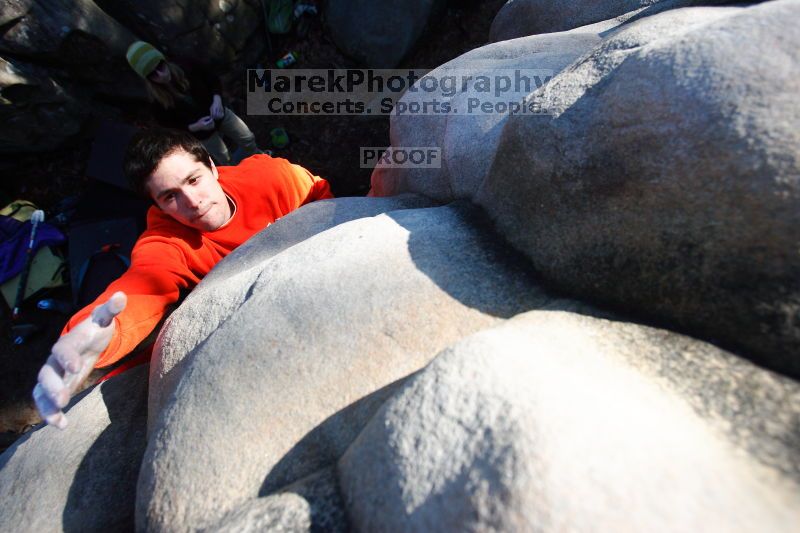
(227, 31)
(665, 180)
(37, 111)
(518, 18)
(51, 29)
(559, 422)
(469, 138)
(379, 34)
(57, 55)
(82, 478)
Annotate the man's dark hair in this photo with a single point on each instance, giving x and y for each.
(148, 147)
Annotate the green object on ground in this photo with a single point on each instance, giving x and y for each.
(279, 137)
(287, 61)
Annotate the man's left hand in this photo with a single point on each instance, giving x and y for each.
(217, 111)
(72, 358)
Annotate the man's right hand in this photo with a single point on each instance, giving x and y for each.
(204, 124)
(72, 359)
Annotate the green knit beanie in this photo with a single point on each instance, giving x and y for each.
(144, 58)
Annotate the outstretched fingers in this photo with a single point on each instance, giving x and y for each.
(104, 314)
(52, 384)
(66, 355)
(50, 412)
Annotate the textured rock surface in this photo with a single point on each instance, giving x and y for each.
(379, 34)
(204, 310)
(281, 388)
(667, 179)
(518, 18)
(57, 53)
(282, 512)
(559, 422)
(37, 112)
(469, 139)
(49, 28)
(321, 491)
(311, 504)
(82, 478)
(227, 31)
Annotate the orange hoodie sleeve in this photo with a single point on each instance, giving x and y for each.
(320, 188)
(284, 185)
(157, 274)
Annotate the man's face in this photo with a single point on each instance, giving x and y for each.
(189, 192)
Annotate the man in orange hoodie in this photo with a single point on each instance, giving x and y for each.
(201, 214)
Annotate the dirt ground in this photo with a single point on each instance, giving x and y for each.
(328, 146)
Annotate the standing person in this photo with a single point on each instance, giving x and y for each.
(189, 97)
(200, 214)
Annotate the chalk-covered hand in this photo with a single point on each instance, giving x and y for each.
(217, 111)
(72, 359)
(204, 124)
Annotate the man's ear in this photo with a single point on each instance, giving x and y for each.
(214, 170)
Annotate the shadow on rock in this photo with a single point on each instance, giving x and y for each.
(103, 491)
(323, 445)
(479, 231)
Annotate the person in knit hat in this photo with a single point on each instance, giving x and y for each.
(188, 97)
